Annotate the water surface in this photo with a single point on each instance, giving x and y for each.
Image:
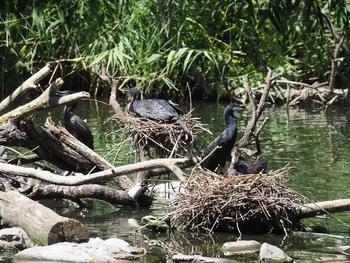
(315, 143)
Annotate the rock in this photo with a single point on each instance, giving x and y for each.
(198, 258)
(240, 247)
(96, 250)
(154, 223)
(14, 238)
(270, 253)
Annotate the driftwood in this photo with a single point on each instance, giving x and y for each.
(94, 191)
(29, 84)
(325, 207)
(46, 100)
(79, 179)
(42, 225)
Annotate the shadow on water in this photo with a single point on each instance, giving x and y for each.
(317, 145)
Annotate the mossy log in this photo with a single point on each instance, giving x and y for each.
(42, 225)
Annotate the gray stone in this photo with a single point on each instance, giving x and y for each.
(96, 250)
(270, 253)
(240, 247)
(14, 238)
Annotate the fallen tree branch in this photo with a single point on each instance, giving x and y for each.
(26, 86)
(325, 207)
(44, 101)
(85, 152)
(94, 191)
(79, 179)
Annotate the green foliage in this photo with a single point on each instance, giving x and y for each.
(137, 38)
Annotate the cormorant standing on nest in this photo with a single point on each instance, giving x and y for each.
(155, 109)
(75, 125)
(212, 158)
(249, 167)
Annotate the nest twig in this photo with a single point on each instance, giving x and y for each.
(163, 138)
(246, 203)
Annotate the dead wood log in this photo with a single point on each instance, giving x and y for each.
(17, 132)
(85, 152)
(44, 101)
(79, 179)
(94, 191)
(325, 207)
(42, 225)
(26, 86)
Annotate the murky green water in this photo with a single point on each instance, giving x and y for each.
(317, 145)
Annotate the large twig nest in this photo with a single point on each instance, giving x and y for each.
(165, 138)
(247, 203)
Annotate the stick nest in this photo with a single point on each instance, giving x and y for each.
(247, 203)
(163, 138)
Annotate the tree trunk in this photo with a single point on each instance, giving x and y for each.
(42, 225)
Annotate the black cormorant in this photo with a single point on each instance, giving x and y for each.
(213, 158)
(74, 124)
(155, 109)
(249, 167)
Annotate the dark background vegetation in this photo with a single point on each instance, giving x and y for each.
(162, 45)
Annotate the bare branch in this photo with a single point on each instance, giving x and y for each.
(44, 101)
(29, 84)
(78, 179)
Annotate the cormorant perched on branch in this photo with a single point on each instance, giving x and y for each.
(212, 158)
(155, 109)
(74, 124)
